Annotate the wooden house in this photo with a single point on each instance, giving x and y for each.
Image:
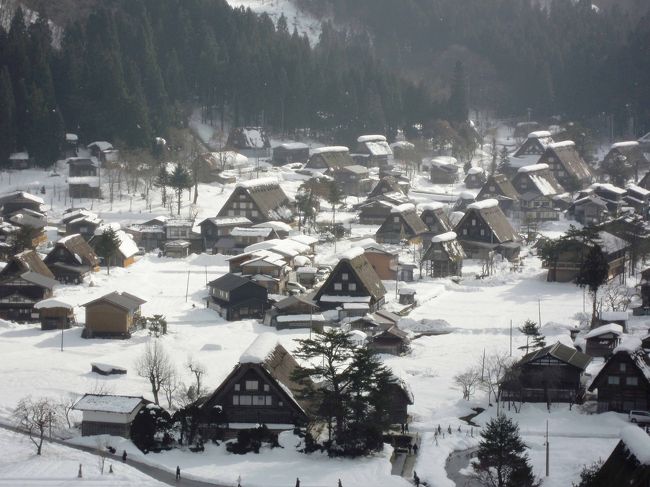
(98, 148)
(177, 249)
(434, 216)
(259, 200)
(537, 187)
(241, 237)
(83, 177)
(112, 316)
(107, 414)
(535, 144)
(499, 187)
(294, 312)
(32, 220)
(260, 391)
(182, 229)
(24, 281)
(623, 384)
(566, 165)
(565, 266)
(613, 196)
(484, 228)
(71, 145)
(269, 271)
(212, 229)
(475, 178)
(329, 158)
(443, 170)
(290, 152)
(444, 256)
(400, 397)
(54, 314)
(602, 340)
(20, 160)
(383, 261)
(589, 210)
(80, 221)
(213, 167)
(638, 198)
(373, 151)
(353, 280)
(392, 341)
(71, 259)
(236, 298)
(375, 211)
(352, 180)
(403, 223)
(550, 374)
(628, 465)
(386, 185)
(250, 141)
(628, 151)
(126, 252)
(21, 200)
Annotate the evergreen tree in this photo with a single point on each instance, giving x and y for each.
(107, 246)
(23, 239)
(458, 104)
(502, 457)
(531, 330)
(593, 273)
(179, 181)
(504, 159)
(7, 112)
(162, 181)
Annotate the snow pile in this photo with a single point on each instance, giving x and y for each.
(467, 195)
(432, 205)
(260, 349)
(638, 442)
(327, 150)
(563, 144)
(371, 138)
(476, 170)
(627, 143)
(444, 237)
(532, 168)
(275, 225)
(352, 253)
(629, 344)
(484, 204)
(601, 330)
(608, 187)
(403, 208)
(258, 183)
(428, 326)
(540, 134)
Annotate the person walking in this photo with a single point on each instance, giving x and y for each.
(415, 448)
(124, 457)
(178, 473)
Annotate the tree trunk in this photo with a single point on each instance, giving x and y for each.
(593, 309)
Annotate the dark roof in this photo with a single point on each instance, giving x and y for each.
(291, 301)
(122, 300)
(333, 160)
(228, 282)
(387, 182)
(562, 353)
(639, 358)
(268, 197)
(440, 215)
(412, 220)
(393, 332)
(27, 261)
(365, 273)
(502, 183)
(452, 248)
(569, 157)
(39, 279)
(542, 180)
(77, 246)
(622, 468)
(496, 220)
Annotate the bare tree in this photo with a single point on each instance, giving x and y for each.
(155, 365)
(616, 297)
(66, 403)
(468, 381)
(37, 417)
(198, 371)
(170, 387)
(495, 373)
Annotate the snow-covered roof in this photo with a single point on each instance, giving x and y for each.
(431, 206)
(71, 137)
(250, 232)
(637, 189)
(626, 143)
(476, 170)
(444, 237)
(297, 318)
(402, 144)
(630, 344)
(608, 187)
(275, 225)
(260, 349)
(403, 208)
(101, 145)
(539, 134)
(371, 138)
(128, 247)
(333, 148)
(327, 298)
(92, 181)
(532, 168)
(24, 195)
(19, 156)
(294, 146)
(466, 195)
(258, 183)
(637, 442)
(379, 148)
(52, 303)
(559, 145)
(108, 403)
(352, 253)
(602, 330)
(484, 204)
(444, 161)
(304, 239)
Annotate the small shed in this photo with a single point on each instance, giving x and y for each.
(105, 414)
(392, 341)
(54, 314)
(112, 315)
(444, 170)
(20, 160)
(177, 249)
(406, 295)
(617, 317)
(601, 341)
(444, 257)
(475, 178)
(290, 152)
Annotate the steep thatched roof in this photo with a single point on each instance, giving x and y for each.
(27, 261)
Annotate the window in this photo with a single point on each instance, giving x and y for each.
(258, 400)
(464, 231)
(235, 400)
(344, 276)
(251, 385)
(280, 403)
(245, 400)
(632, 381)
(269, 400)
(231, 212)
(473, 222)
(482, 232)
(338, 286)
(396, 219)
(254, 213)
(237, 387)
(352, 286)
(613, 380)
(267, 388)
(492, 188)
(622, 367)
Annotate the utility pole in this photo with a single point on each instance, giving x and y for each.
(539, 311)
(511, 338)
(547, 447)
(483, 366)
(187, 288)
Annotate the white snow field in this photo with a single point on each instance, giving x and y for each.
(477, 315)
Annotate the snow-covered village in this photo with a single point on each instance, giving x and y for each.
(213, 275)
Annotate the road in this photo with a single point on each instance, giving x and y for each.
(153, 472)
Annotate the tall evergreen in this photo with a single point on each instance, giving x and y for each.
(7, 115)
(458, 104)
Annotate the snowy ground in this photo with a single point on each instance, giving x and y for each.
(59, 466)
(478, 313)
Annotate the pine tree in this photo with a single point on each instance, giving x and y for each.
(179, 181)
(108, 244)
(458, 105)
(531, 330)
(593, 273)
(162, 181)
(502, 457)
(504, 162)
(7, 111)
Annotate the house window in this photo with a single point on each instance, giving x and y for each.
(632, 381)
(280, 403)
(492, 188)
(231, 212)
(258, 400)
(344, 276)
(473, 222)
(235, 400)
(352, 286)
(254, 213)
(613, 380)
(267, 388)
(251, 385)
(464, 231)
(338, 286)
(622, 367)
(482, 232)
(245, 400)
(237, 387)
(268, 401)
(396, 219)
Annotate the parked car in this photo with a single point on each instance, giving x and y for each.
(640, 416)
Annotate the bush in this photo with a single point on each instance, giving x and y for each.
(252, 440)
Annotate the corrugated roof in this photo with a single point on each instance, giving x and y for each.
(562, 353)
(122, 300)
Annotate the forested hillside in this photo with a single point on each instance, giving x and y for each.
(132, 69)
(570, 58)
